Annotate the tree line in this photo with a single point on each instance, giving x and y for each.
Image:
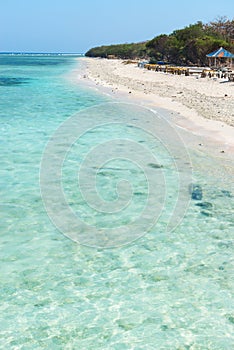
(124, 51)
(183, 46)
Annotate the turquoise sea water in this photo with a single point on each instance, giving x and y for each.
(164, 290)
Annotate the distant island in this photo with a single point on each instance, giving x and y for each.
(187, 46)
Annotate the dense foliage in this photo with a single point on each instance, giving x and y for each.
(183, 46)
(189, 45)
(124, 51)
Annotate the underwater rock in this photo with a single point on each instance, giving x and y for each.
(195, 191)
(205, 205)
(8, 81)
(206, 213)
(125, 325)
(164, 327)
(230, 318)
(155, 166)
(226, 193)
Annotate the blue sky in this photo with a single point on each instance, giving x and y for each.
(77, 25)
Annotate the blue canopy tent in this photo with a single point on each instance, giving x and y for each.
(220, 56)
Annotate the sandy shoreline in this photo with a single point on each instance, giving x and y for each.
(204, 106)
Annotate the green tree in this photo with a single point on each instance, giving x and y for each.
(188, 45)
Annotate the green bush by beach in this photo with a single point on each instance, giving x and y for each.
(124, 51)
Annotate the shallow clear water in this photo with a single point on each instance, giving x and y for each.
(164, 290)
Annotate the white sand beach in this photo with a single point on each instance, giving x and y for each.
(205, 105)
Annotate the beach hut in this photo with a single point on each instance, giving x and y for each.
(220, 58)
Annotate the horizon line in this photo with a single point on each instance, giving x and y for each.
(42, 52)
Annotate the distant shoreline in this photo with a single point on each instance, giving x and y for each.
(40, 54)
